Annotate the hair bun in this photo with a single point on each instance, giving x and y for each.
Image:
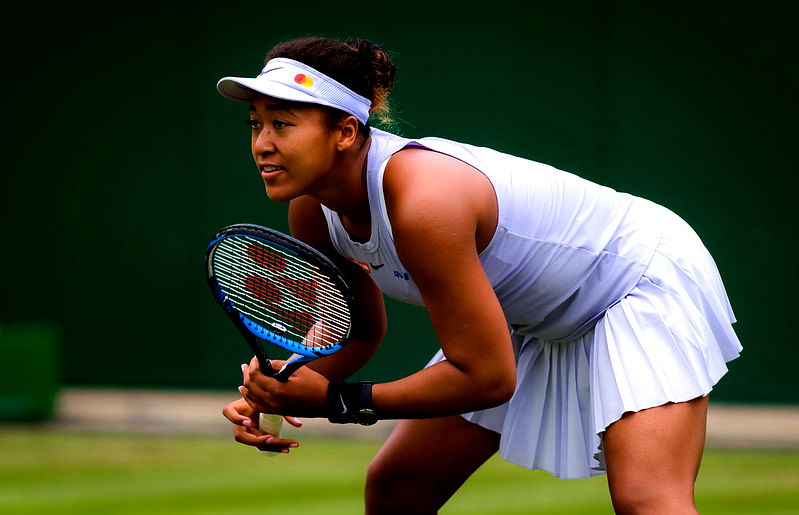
(380, 70)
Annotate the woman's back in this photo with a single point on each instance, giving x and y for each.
(564, 249)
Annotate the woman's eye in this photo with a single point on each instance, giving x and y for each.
(254, 124)
(277, 124)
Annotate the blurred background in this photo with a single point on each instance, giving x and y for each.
(121, 161)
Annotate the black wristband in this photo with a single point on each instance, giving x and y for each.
(350, 403)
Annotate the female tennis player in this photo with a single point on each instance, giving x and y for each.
(581, 329)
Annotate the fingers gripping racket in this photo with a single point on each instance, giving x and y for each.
(277, 289)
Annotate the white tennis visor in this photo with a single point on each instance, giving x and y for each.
(288, 79)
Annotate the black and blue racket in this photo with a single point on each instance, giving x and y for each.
(277, 289)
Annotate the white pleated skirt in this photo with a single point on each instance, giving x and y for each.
(668, 340)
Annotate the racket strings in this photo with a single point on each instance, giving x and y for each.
(281, 292)
(301, 325)
(301, 299)
(298, 277)
(284, 267)
(301, 315)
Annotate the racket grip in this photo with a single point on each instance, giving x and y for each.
(272, 424)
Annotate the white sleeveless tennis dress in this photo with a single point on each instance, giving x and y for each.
(612, 301)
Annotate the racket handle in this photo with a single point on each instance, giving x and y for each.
(272, 424)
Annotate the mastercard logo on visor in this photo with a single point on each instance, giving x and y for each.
(303, 80)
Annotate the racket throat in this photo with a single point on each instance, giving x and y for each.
(290, 367)
(265, 364)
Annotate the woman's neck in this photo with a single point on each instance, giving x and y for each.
(345, 190)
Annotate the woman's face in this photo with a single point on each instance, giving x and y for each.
(292, 147)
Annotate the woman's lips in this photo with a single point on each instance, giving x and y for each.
(267, 172)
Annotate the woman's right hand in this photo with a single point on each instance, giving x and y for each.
(246, 431)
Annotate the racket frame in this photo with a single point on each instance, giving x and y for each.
(254, 333)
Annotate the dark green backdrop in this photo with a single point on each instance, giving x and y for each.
(121, 160)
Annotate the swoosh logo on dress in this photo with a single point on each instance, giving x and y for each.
(377, 267)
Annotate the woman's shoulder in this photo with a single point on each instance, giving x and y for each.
(416, 167)
(423, 186)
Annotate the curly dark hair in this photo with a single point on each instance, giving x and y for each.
(359, 64)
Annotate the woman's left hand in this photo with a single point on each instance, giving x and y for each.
(303, 395)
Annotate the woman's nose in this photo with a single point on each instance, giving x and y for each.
(263, 143)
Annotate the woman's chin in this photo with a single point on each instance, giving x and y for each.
(279, 194)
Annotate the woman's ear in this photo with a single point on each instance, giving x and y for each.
(348, 133)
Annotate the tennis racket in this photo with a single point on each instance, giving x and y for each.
(279, 290)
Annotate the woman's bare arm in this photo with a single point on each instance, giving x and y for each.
(439, 208)
(308, 224)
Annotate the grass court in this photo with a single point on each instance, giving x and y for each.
(49, 472)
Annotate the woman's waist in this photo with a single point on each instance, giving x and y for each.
(552, 315)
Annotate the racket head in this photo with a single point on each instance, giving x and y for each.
(279, 289)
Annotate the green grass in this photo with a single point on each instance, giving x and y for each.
(43, 473)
